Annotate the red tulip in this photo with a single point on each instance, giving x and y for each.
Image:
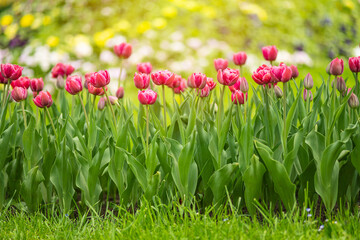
(2, 79)
(340, 84)
(123, 50)
(102, 103)
(100, 79)
(19, 94)
(11, 71)
(147, 97)
(353, 100)
(220, 63)
(162, 77)
(73, 84)
(43, 99)
(236, 86)
(336, 67)
(239, 58)
(181, 88)
(237, 97)
(144, 67)
(205, 91)
(36, 84)
(295, 71)
(120, 92)
(270, 53)
(96, 91)
(228, 76)
(87, 79)
(176, 82)
(262, 75)
(197, 80)
(210, 82)
(62, 70)
(141, 80)
(354, 64)
(23, 82)
(281, 73)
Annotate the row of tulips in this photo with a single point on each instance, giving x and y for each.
(275, 145)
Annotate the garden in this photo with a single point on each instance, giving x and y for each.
(179, 119)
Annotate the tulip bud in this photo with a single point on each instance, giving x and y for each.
(102, 103)
(307, 94)
(308, 81)
(220, 63)
(73, 84)
(244, 86)
(36, 84)
(120, 93)
(239, 58)
(278, 92)
(205, 91)
(144, 67)
(336, 67)
(270, 53)
(328, 68)
(11, 71)
(294, 71)
(113, 100)
(123, 50)
(100, 79)
(43, 99)
(354, 64)
(62, 70)
(60, 83)
(147, 97)
(141, 80)
(19, 94)
(340, 84)
(210, 82)
(353, 101)
(87, 80)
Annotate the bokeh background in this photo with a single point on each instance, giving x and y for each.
(183, 36)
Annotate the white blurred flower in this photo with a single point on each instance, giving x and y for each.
(106, 11)
(5, 56)
(356, 51)
(161, 56)
(253, 62)
(88, 67)
(28, 72)
(83, 49)
(165, 45)
(177, 46)
(301, 57)
(115, 41)
(284, 56)
(107, 56)
(194, 43)
(150, 34)
(176, 36)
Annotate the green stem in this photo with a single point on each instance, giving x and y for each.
(147, 130)
(267, 114)
(51, 121)
(284, 119)
(357, 84)
(307, 102)
(5, 94)
(111, 108)
(120, 71)
(83, 106)
(221, 106)
(245, 102)
(334, 94)
(164, 104)
(240, 71)
(23, 111)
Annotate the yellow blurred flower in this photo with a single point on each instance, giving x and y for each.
(11, 30)
(100, 38)
(52, 41)
(143, 27)
(27, 20)
(349, 4)
(192, 6)
(169, 12)
(209, 12)
(122, 26)
(252, 8)
(46, 20)
(6, 20)
(159, 23)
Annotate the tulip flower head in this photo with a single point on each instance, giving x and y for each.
(19, 94)
(237, 97)
(11, 71)
(181, 87)
(147, 97)
(244, 85)
(43, 99)
(239, 58)
(228, 76)
(197, 80)
(96, 91)
(308, 81)
(141, 80)
(73, 84)
(23, 82)
(120, 92)
(176, 82)
(354, 64)
(353, 100)
(281, 73)
(100, 79)
(205, 91)
(210, 82)
(294, 71)
(307, 95)
(36, 84)
(2, 79)
(236, 86)
(62, 70)
(220, 63)
(145, 67)
(336, 67)
(270, 53)
(163, 77)
(123, 50)
(278, 92)
(102, 103)
(262, 75)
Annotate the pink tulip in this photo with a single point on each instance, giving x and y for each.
(340, 84)
(11, 71)
(120, 93)
(354, 64)
(100, 79)
(197, 80)
(123, 50)
(181, 88)
(2, 79)
(19, 94)
(307, 94)
(308, 81)
(144, 67)
(210, 82)
(23, 82)
(239, 58)
(228, 76)
(163, 77)
(262, 75)
(87, 79)
(102, 103)
(281, 73)
(43, 99)
(270, 53)
(237, 97)
(244, 85)
(176, 82)
(205, 91)
(353, 100)
(220, 63)
(62, 70)
(236, 86)
(113, 100)
(336, 67)
(141, 80)
(73, 84)
(96, 91)
(295, 71)
(36, 84)
(147, 97)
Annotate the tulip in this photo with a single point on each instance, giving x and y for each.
(11, 71)
(228, 76)
(336, 67)
(43, 99)
(102, 103)
(23, 82)
(100, 79)
(328, 69)
(163, 77)
(278, 92)
(269, 53)
(354, 64)
(205, 91)
(236, 86)
(281, 73)
(96, 91)
(239, 58)
(294, 71)
(2, 79)
(120, 93)
(308, 81)
(141, 80)
(60, 83)
(123, 50)
(19, 94)
(145, 67)
(210, 82)
(113, 100)
(220, 63)
(181, 88)
(244, 85)
(36, 84)
(340, 84)
(87, 79)
(237, 97)
(147, 97)
(62, 70)
(307, 94)
(198, 80)
(176, 82)
(262, 75)
(353, 100)
(73, 84)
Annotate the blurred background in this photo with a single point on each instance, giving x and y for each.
(183, 36)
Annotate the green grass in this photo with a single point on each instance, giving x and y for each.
(166, 223)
